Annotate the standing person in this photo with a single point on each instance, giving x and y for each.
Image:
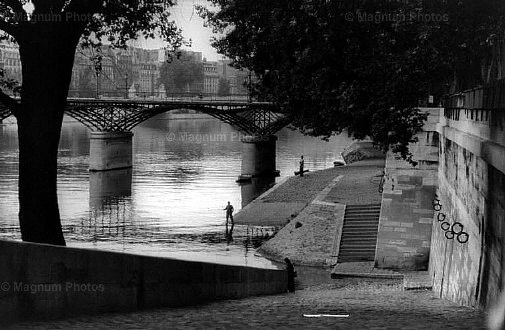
(291, 275)
(229, 215)
(301, 166)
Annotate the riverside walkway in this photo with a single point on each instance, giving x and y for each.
(369, 304)
(320, 302)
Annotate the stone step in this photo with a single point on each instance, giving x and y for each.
(360, 216)
(364, 240)
(361, 213)
(359, 233)
(356, 258)
(358, 228)
(351, 224)
(354, 231)
(363, 219)
(364, 206)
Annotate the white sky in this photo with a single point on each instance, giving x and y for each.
(192, 27)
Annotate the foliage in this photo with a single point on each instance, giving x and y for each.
(182, 73)
(360, 67)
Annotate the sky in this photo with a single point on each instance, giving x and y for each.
(192, 27)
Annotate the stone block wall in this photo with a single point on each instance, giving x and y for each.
(462, 192)
(472, 192)
(40, 281)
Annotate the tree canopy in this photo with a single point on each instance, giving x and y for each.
(183, 73)
(360, 66)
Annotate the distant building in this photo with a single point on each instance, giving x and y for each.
(210, 77)
(238, 78)
(132, 72)
(149, 75)
(10, 61)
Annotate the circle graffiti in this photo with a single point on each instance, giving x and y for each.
(449, 234)
(457, 228)
(462, 237)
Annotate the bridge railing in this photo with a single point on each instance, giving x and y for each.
(158, 96)
(481, 103)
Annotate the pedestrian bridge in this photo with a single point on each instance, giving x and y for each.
(122, 115)
(111, 122)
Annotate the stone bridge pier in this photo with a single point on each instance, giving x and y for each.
(258, 156)
(110, 151)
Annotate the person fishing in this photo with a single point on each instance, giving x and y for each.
(229, 216)
(302, 163)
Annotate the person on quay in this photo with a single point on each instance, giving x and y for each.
(302, 163)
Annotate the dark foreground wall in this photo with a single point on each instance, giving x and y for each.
(42, 281)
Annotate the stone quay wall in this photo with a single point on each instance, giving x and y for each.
(467, 260)
(40, 281)
(405, 224)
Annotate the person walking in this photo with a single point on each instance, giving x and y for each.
(302, 163)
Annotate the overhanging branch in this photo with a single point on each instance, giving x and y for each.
(10, 103)
(84, 6)
(15, 5)
(8, 28)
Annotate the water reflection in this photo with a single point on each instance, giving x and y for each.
(110, 205)
(170, 204)
(115, 183)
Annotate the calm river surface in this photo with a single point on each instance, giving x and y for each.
(171, 203)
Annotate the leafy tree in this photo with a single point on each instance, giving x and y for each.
(223, 87)
(47, 41)
(181, 73)
(357, 66)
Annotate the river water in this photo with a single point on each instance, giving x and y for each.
(171, 202)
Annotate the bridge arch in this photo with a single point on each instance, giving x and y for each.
(259, 118)
(256, 118)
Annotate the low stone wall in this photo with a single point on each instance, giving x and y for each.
(42, 281)
(361, 150)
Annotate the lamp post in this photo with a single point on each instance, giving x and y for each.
(97, 61)
(126, 85)
(249, 97)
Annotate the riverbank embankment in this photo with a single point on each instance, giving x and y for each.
(312, 209)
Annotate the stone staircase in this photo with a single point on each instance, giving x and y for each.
(359, 233)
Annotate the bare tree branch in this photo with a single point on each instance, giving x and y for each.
(15, 5)
(8, 28)
(48, 6)
(12, 104)
(84, 6)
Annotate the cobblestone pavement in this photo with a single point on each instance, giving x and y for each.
(369, 304)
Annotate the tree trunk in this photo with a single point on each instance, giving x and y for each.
(47, 57)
